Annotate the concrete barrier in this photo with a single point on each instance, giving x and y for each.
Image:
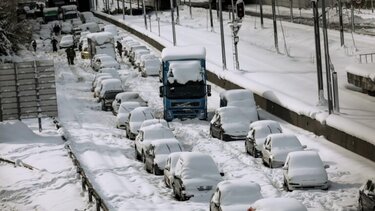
(341, 138)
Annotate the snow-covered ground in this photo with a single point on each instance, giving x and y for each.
(108, 157)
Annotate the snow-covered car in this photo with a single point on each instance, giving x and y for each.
(82, 40)
(258, 132)
(85, 54)
(148, 134)
(135, 119)
(110, 70)
(305, 169)
(230, 123)
(137, 56)
(128, 44)
(97, 81)
(127, 97)
(241, 98)
(234, 195)
(123, 113)
(169, 168)
(90, 26)
(109, 89)
(133, 50)
(100, 61)
(366, 200)
(279, 204)
(150, 65)
(87, 17)
(157, 153)
(66, 41)
(111, 28)
(195, 175)
(149, 122)
(277, 146)
(66, 28)
(76, 22)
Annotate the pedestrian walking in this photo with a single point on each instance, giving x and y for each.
(54, 44)
(70, 54)
(119, 48)
(33, 43)
(56, 29)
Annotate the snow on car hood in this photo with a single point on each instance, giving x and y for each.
(280, 154)
(236, 128)
(134, 127)
(161, 160)
(122, 117)
(318, 175)
(194, 184)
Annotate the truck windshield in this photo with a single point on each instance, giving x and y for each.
(192, 89)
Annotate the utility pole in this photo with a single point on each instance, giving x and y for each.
(341, 23)
(318, 53)
(123, 9)
(173, 24)
(211, 21)
(327, 58)
(222, 36)
(261, 12)
(131, 9)
(275, 26)
(144, 13)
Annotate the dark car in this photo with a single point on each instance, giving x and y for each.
(366, 201)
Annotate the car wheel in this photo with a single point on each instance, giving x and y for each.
(247, 148)
(137, 154)
(143, 157)
(286, 185)
(154, 170)
(222, 136)
(103, 106)
(165, 182)
(175, 193)
(254, 152)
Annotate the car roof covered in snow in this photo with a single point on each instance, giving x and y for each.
(101, 37)
(181, 53)
(235, 192)
(149, 122)
(196, 165)
(157, 131)
(141, 113)
(279, 204)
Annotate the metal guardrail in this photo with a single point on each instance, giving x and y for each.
(366, 57)
(85, 182)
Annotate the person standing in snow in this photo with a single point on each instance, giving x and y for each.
(56, 29)
(70, 54)
(33, 43)
(54, 44)
(119, 48)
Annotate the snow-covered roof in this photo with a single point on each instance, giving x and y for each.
(364, 70)
(182, 53)
(196, 165)
(235, 192)
(238, 97)
(140, 114)
(271, 124)
(229, 114)
(279, 204)
(184, 71)
(111, 84)
(149, 122)
(305, 159)
(101, 37)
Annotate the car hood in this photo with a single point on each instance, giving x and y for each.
(301, 175)
(194, 184)
(134, 127)
(281, 154)
(236, 129)
(122, 117)
(161, 160)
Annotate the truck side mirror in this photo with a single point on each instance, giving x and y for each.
(161, 91)
(208, 90)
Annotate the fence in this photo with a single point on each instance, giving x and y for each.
(27, 90)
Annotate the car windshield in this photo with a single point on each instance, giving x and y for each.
(306, 161)
(287, 142)
(192, 89)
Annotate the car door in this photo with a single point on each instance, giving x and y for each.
(266, 151)
(216, 126)
(215, 201)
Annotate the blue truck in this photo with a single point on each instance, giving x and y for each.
(184, 78)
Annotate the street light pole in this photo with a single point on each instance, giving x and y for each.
(341, 24)
(222, 36)
(275, 26)
(144, 13)
(173, 24)
(123, 9)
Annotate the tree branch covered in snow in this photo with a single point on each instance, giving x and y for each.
(12, 34)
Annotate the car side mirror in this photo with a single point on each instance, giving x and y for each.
(161, 91)
(326, 166)
(208, 90)
(222, 174)
(304, 146)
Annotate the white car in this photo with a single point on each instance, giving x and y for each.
(127, 97)
(135, 119)
(157, 152)
(305, 169)
(137, 56)
(230, 123)
(195, 175)
(66, 28)
(278, 204)
(123, 113)
(148, 134)
(241, 98)
(97, 83)
(128, 44)
(66, 41)
(98, 77)
(277, 146)
(169, 168)
(111, 71)
(258, 132)
(233, 195)
(87, 17)
(132, 51)
(150, 65)
(104, 61)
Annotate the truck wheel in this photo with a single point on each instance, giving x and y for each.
(103, 106)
